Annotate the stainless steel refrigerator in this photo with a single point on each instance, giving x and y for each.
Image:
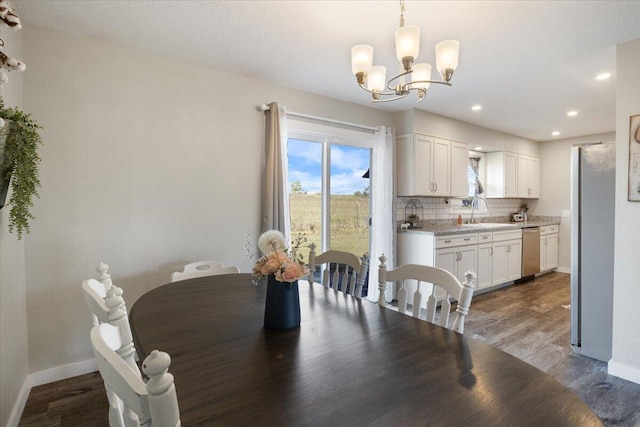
(592, 245)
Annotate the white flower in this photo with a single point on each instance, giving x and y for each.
(272, 241)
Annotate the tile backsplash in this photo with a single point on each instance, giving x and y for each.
(437, 208)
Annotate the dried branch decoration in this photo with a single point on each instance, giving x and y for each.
(9, 17)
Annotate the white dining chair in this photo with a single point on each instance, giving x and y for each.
(343, 271)
(95, 292)
(106, 305)
(432, 278)
(152, 404)
(202, 269)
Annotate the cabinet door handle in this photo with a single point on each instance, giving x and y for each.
(490, 251)
(506, 190)
(467, 239)
(508, 248)
(447, 241)
(436, 187)
(431, 187)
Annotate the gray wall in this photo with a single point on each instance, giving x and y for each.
(148, 163)
(626, 296)
(445, 127)
(13, 313)
(555, 186)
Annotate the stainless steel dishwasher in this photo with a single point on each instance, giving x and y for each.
(530, 251)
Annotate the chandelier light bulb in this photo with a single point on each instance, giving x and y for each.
(377, 78)
(361, 58)
(407, 42)
(447, 57)
(421, 72)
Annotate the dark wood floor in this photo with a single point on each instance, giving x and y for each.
(529, 321)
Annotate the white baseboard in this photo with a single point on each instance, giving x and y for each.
(63, 372)
(628, 373)
(21, 401)
(563, 270)
(45, 377)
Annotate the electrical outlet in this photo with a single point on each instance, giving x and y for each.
(566, 214)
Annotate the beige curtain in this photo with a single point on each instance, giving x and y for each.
(275, 190)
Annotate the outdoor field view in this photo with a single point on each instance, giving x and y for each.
(349, 230)
(349, 202)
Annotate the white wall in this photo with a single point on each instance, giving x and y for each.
(625, 361)
(445, 127)
(555, 186)
(13, 313)
(148, 163)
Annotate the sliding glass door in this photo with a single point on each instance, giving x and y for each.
(329, 191)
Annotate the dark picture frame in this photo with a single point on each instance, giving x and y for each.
(634, 159)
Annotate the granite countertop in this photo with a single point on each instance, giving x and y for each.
(443, 227)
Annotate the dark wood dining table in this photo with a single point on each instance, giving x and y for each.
(351, 362)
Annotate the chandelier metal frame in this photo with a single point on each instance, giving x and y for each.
(446, 62)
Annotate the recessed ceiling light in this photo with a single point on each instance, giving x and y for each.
(478, 148)
(476, 107)
(572, 113)
(555, 133)
(603, 76)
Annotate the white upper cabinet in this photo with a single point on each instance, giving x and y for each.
(428, 166)
(502, 178)
(441, 166)
(459, 165)
(528, 176)
(512, 175)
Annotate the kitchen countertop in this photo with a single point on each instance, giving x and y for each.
(446, 227)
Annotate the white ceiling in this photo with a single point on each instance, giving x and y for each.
(526, 62)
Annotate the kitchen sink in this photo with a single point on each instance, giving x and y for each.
(488, 224)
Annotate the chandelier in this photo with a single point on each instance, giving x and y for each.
(373, 78)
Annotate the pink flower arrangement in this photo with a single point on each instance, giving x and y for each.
(285, 264)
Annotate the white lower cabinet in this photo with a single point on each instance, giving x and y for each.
(507, 256)
(485, 262)
(514, 260)
(458, 260)
(548, 247)
(495, 257)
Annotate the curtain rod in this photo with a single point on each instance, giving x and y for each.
(265, 107)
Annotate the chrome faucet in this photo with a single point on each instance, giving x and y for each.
(475, 200)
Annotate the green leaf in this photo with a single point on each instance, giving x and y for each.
(21, 160)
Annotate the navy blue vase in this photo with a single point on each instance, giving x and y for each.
(282, 305)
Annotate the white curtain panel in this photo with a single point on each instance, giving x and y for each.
(383, 226)
(275, 193)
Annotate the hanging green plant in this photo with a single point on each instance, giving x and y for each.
(19, 141)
